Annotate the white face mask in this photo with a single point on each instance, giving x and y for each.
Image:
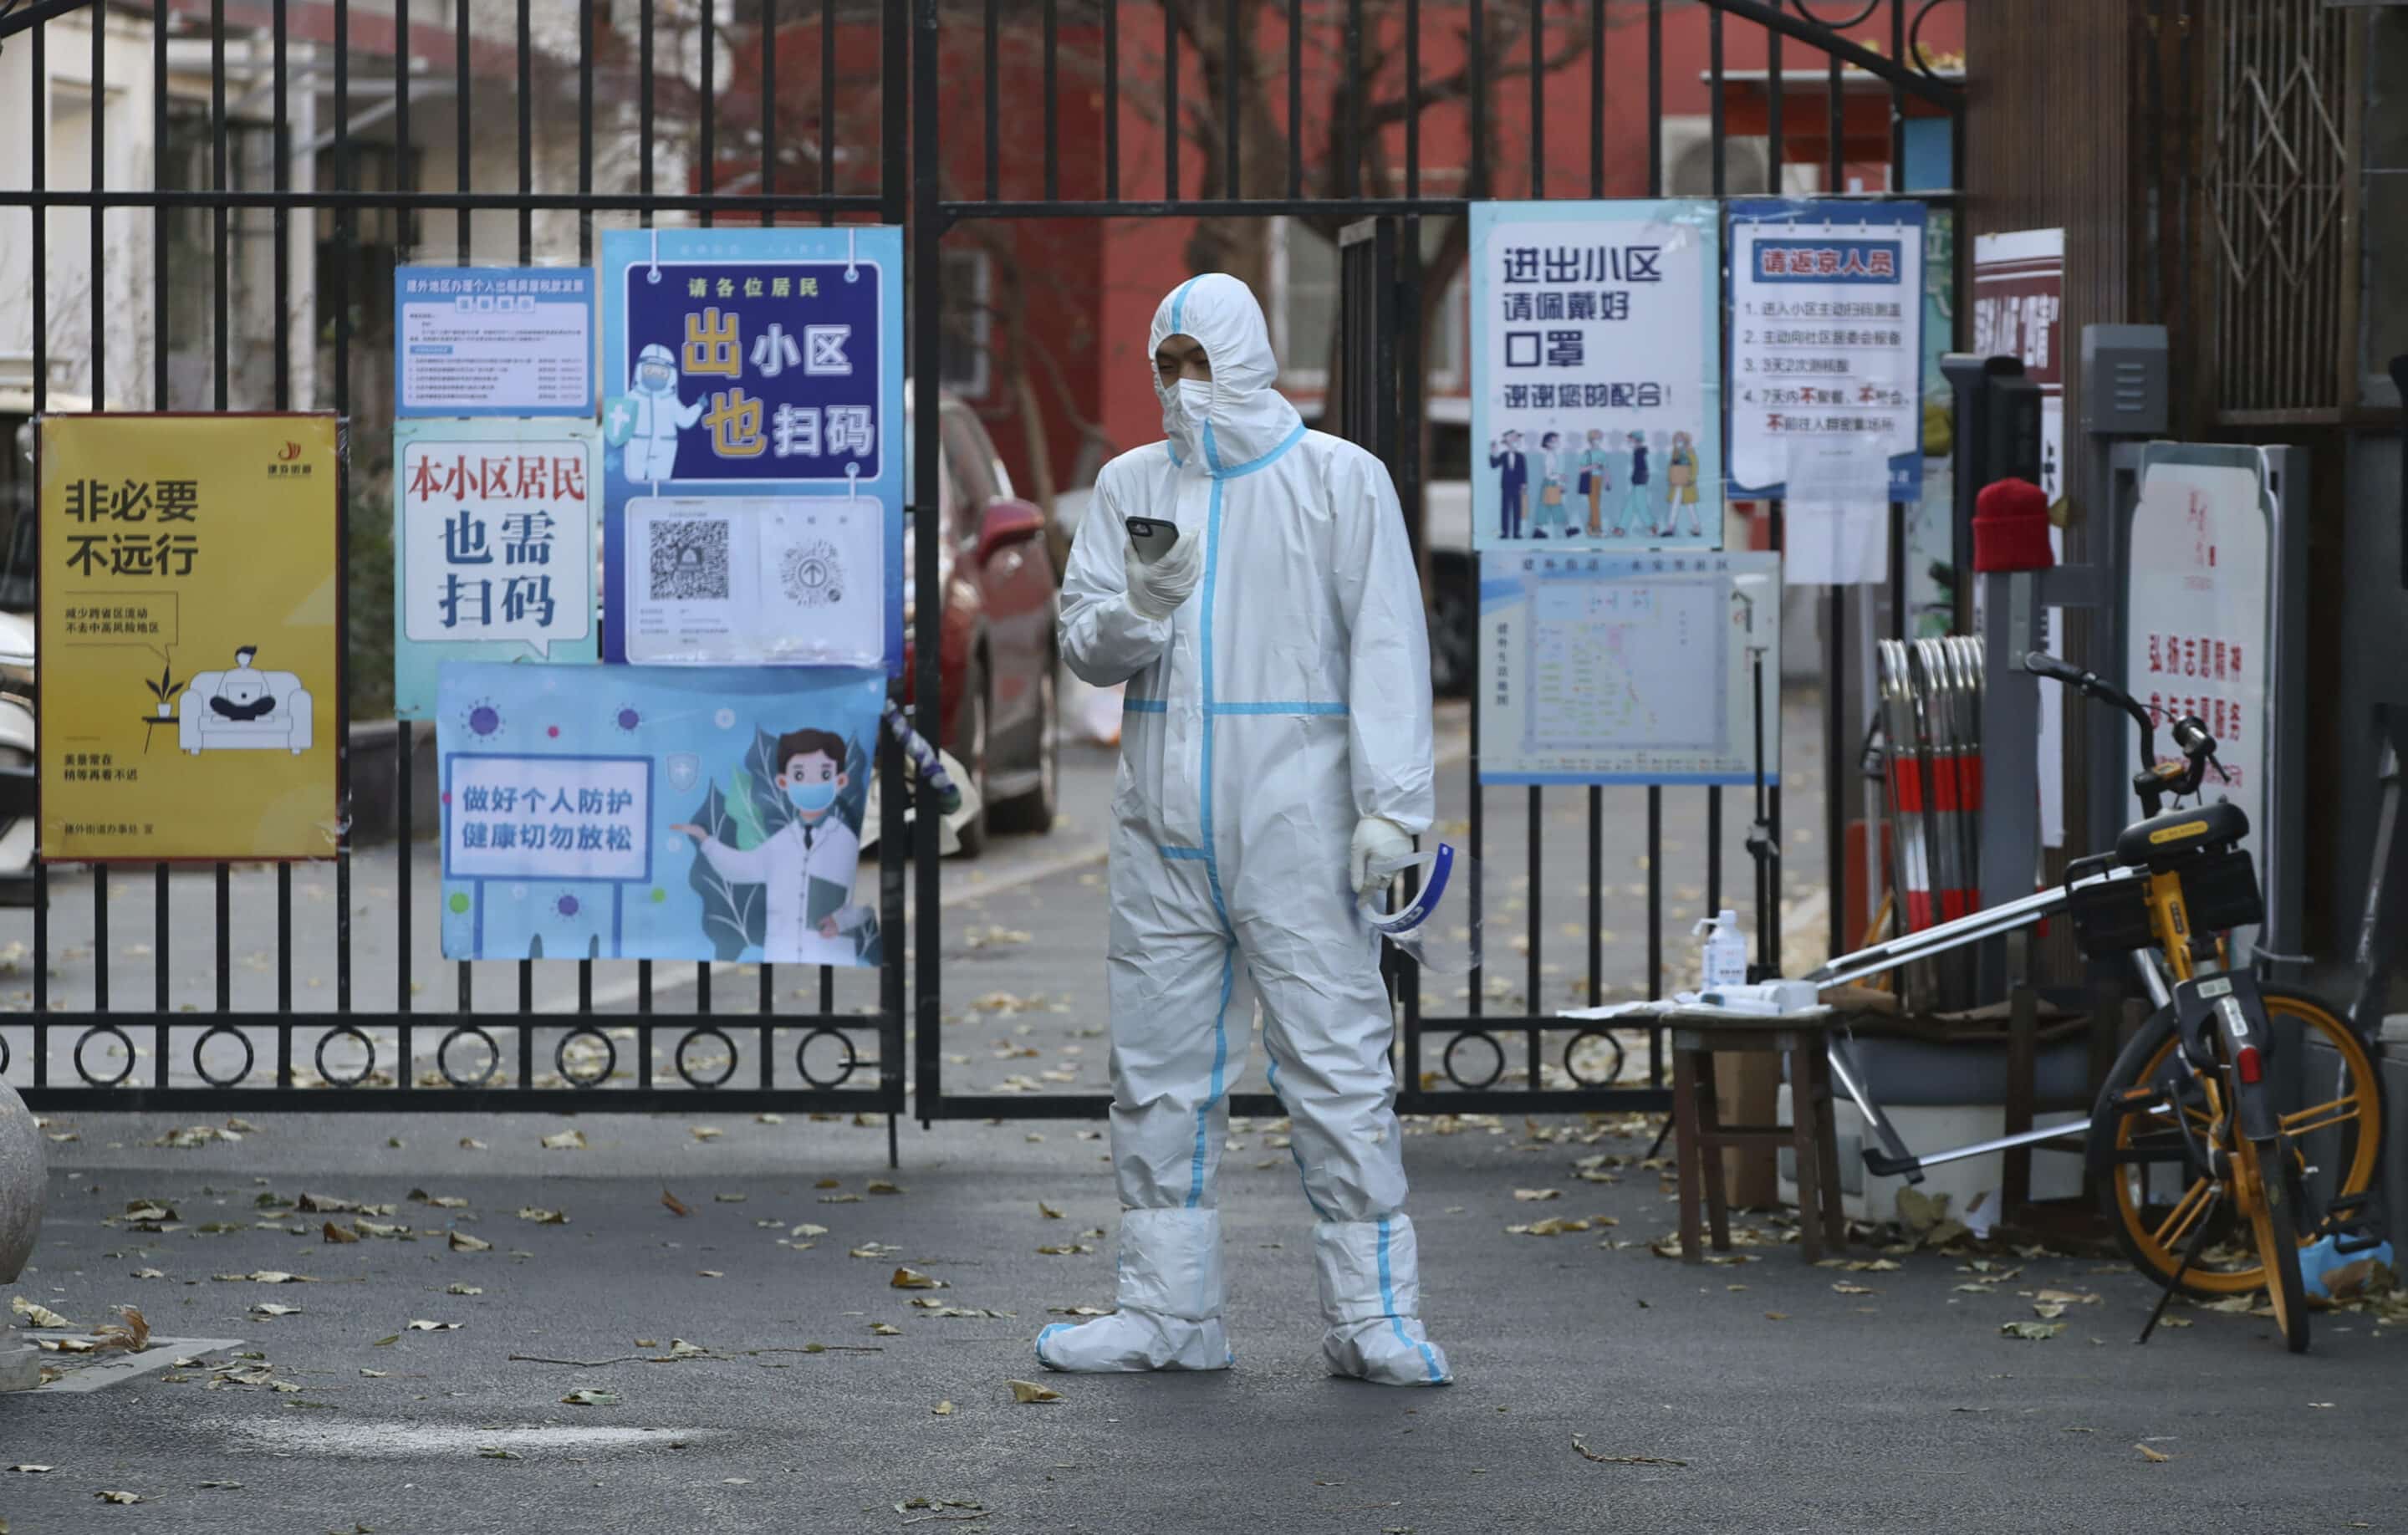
(1194, 399)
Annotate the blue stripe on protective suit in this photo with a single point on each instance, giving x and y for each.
(1388, 1301)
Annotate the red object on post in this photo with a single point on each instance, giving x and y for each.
(2011, 527)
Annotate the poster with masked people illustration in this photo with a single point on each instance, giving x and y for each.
(753, 447)
(621, 813)
(1597, 375)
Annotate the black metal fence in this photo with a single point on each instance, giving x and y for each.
(631, 104)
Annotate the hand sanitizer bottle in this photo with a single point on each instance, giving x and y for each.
(1725, 953)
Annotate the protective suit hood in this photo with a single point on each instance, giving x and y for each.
(1248, 417)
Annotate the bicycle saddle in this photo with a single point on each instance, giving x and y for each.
(2165, 839)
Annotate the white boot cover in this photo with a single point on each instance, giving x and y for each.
(1170, 1315)
(1370, 1298)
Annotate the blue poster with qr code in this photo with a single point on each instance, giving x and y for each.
(753, 447)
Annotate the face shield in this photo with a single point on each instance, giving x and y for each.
(1429, 909)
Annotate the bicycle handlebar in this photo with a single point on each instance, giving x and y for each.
(2190, 734)
(2041, 664)
(2192, 737)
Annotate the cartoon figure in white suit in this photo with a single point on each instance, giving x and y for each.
(648, 418)
(808, 865)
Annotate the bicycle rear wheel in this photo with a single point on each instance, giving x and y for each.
(2152, 1200)
(2273, 1225)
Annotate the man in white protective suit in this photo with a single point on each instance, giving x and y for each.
(1275, 759)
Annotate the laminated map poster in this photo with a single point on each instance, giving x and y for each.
(1629, 668)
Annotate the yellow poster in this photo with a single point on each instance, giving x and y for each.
(191, 640)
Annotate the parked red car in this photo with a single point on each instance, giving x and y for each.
(996, 658)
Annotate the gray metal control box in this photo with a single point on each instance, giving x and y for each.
(2123, 380)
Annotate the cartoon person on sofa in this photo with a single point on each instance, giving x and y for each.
(242, 693)
(808, 865)
(244, 707)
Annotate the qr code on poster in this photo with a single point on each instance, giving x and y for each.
(689, 560)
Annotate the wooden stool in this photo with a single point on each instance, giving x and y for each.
(1699, 1136)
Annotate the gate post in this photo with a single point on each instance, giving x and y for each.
(928, 297)
(1366, 407)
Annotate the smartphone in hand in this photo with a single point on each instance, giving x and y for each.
(1152, 536)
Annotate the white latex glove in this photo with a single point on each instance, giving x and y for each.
(1380, 846)
(1156, 589)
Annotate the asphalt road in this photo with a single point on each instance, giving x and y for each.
(1763, 1396)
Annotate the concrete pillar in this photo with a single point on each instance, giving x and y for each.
(25, 1184)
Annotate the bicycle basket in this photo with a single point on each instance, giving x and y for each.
(2220, 890)
(2110, 919)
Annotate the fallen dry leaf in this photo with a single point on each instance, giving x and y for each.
(1029, 1391)
(885, 1329)
(588, 1397)
(571, 1139)
(31, 1470)
(1532, 1196)
(704, 1132)
(132, 1333)
(423, 1326)
(462, 1289)
(2067, 1298)
(2155, 1458)
(879, 1185)
(674, 1205)
(270, 1308)
(2032, 1331)
(331, 1233)
(118, 1496)
(942, 1410)
(1048, 1210)
(1854, 1289)
(808, 1228)
(463, 1242)
(470, 1142)
(1552, 1225)
(913, 1279)
(36, 1315)
(543, 1217)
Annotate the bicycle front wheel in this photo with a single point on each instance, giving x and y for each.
(2274, 1225)
(2152, 1198)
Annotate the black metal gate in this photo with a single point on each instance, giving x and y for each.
(691, 97)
